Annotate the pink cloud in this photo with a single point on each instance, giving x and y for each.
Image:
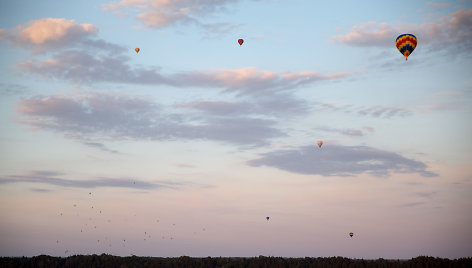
(162, 13)
(452, 30)
(54, 34)
(3, 34)
(250, 80)
(44, 34)
(368, 34)
(84, 68)
(53, 30)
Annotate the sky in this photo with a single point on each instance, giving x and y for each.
(187, 146)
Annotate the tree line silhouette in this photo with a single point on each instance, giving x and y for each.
(106, 261)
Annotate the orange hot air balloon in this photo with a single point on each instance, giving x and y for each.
(319, 143)
(240, 41)
(136, 49)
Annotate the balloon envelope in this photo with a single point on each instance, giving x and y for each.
(136, 49)
(319, 143)
(267, 218)
(240, 41)
(351, 234)
(406, 43)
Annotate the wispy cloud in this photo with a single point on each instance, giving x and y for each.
(412, 204)
(447, 100)
(105, 116)
(451, 31)
(379, 111)
(57, 179)
(12, 89)
(40, 190)
(99, 146)
(272, 105)
(338, 160)
(383, 111)
(348, 131)
(160, 14)
(81, 67)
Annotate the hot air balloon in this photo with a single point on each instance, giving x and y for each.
(319, 143)
(240, 41)
(267, 218)
(406, 43)
(351, 234)
(136, 49)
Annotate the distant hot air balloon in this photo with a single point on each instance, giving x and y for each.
(319, 143)
(267, 218)
(406, 43)
(136, 49)
(351, 234)
(240, 41)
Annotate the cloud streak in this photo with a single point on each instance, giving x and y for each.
(378, 111)
(81, 67)
(349, 131)
(337, 160)
(56, 179)
(279, 105)
(105, 116)
(160, 14)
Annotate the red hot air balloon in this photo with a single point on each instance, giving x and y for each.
(319, 143)
(240, 41)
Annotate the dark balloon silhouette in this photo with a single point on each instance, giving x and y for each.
(240, 41)
(351, 234)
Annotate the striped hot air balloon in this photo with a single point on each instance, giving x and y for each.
(406, 43)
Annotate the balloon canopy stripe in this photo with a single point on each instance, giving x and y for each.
(405, 35)
(406, 48)
(406, 40)
(408, 44)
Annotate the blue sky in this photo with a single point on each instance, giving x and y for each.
(187, 146)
